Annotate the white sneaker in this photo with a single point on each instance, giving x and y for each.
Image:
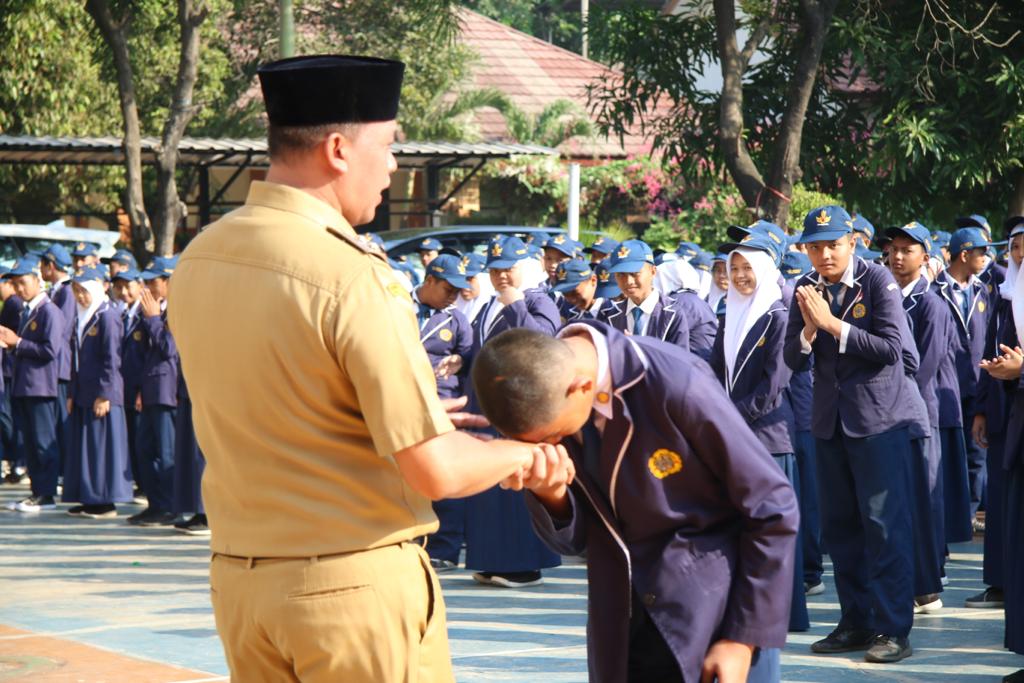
(35, 504)
(928, 607)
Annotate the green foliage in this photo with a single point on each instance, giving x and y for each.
(556, 123)
(555, 21)
(804, 200)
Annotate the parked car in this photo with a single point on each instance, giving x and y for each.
(18, 239)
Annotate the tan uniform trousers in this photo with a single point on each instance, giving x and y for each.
(374, 616)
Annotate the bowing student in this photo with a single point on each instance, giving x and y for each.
(447, 337)
(97, 472)
(747, 359)
(968, 300)
(643, 310)
(687, 523)
(848, 313)
(36, 346)
(500, 542)
(991, 421)
(127, 286)
(932, 327)
(158, 399)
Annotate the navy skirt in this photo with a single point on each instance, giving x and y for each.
(1013, 549)
(798, 618)
(189, 462)
(500, 537)
(926, 515)
(97, 470)
(956, 490)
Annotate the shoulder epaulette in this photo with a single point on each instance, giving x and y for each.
(369, 248)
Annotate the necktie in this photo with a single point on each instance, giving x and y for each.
(23, 318)
(637, 314)
(424, 314)
(592, 450)
(834, 291)
(965, 301)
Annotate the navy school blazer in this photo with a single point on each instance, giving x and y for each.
(9, 316)
(703, 323)
(995, 395)
(862, 389)
(971, 332)
(689, 511)
(96, 359)
(933, 327)
(160, 364)
(760, 378)
(667, 323)
(535, 311)
(37, 355)
(134, 345)
(447, 333)
(64, 299)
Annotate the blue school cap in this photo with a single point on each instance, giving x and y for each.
(1014, 226)
(826, 223)
(160, 266)
(687, 249)
(451, 269)
(84, 249)
(506, 252)
(429, 244)
(630, 257)
(56, 254)
(475, 264)
(124, 257)
(88, 274)
(607, 287)
(602, 245)
(941, 237)
(562, 243)
(129, 275)
(756, 240)
(26, 265)
(914, 231)
(795, 264)
(776, 235)
(570, 274)
(968, 238)
(973, 221)
(863, 226)
(702, 261)
(720, 255)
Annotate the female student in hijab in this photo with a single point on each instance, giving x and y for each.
(747, 358)
(719, 282)
(677, 279)
(97, 472)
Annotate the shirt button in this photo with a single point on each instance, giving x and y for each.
(649, 599)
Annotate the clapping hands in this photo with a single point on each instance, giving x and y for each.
(1006, 366)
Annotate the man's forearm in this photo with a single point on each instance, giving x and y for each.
(455, 464)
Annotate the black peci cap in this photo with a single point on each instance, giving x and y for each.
(319, 89)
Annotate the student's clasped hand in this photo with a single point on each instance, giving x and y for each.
(1006, 366)
(816, 313)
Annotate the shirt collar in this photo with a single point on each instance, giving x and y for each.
(647, 305)
(603, 390)
(40, 297)
(294, 200)
(847, 278)
(909, 289)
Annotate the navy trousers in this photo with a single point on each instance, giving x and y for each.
(155, 445)
(956, 490)
(810, 524)
(37, 418)
(63, 423)
(977, 471)
(131, 420)
(927, 513)
(446, 543)
(9, 435)
(798, 618)
(864, 492)
(995, 493)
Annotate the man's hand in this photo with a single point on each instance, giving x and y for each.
(979, 430)
(100, 407)
(8, 336)
(547, 476)
(816, 312)
(462, 420)
(149, 304)
(448, 366)
(1006, 366)
(509, 295)
(727, 662)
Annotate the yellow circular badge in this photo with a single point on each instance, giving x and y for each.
(33, 326)
(859, 311)
(664, 463)
(93, 332)
(137, 335)
(762, 341)
(981, 307)
(445, 335)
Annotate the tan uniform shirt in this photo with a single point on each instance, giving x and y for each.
(303, 361)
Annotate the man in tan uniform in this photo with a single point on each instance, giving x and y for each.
(316, 406)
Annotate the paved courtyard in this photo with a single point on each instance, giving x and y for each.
(100, 601)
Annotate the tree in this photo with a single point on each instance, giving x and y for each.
(556, 123)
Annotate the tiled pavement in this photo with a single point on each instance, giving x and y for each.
(99, 601)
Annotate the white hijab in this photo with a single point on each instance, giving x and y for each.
(534, 274)
(704, 289)
(85, 313)
(1006, 289)
(472, 307)
(675, 275)
(1014, 271)
(743, 310)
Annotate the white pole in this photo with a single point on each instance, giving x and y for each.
(584, 13)
(574, 201)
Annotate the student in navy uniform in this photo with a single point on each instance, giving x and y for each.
(849, 314)
(990, 423)
(13, 448)
(601, 248)
(189, 465)
(643, 310)
(968, 300)
(121, 261)
(993, 274)
(687, 523)
(447, 337)
(36, 349)
(500, 541)
(428, 250)
(935, 337)
(558, 249)
(83, 255)
(158, 396)
(127, 286)
(719, 282)
(52, 267)
(473, 299)
(747, 359)
(863, 232)
(97, 473)
(576, 281)
(678, 280)
(702, 263)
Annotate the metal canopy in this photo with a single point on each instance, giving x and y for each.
(21, 149)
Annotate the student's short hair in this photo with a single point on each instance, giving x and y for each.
(518, 379)
(285, 141)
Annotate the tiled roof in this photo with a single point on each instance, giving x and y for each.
(533, 74)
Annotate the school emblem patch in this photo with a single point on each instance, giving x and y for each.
(33, 326)
(93, 332)
(137, 335)
(761, 341)
(859, 311)
(664, 463)
(445, 335)
(981, 307)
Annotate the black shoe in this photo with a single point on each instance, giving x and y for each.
(509, 579)
(990, 598)
(193, 526)
(15, 477)
(844, 640)
(138, 517)
(158, 519)
(99, 511)
(1015, 677)
(76, 510)
(888, 650)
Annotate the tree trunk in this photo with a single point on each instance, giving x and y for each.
(784, 171)
(170, 209)
(113, 34)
